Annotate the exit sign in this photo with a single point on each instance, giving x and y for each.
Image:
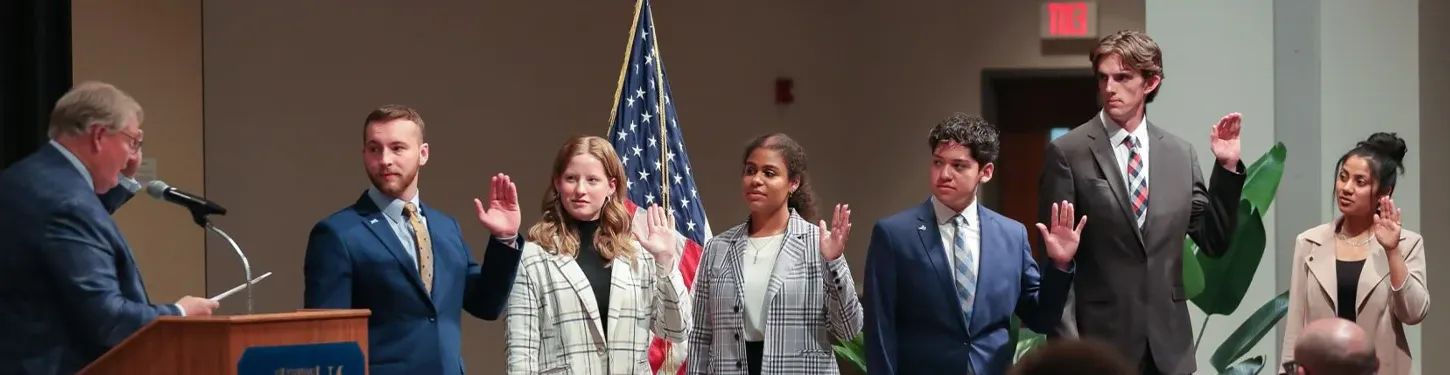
(1069, 20)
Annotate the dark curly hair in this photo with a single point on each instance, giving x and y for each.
(973, 132)
(803, 200)
(1385, 153)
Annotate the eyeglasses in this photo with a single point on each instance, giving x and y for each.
(136, 142)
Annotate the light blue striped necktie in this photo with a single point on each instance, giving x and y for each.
(966, 270)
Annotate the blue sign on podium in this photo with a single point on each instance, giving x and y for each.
(335, 358)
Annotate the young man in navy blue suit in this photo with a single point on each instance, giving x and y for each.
(407, 262)
(944, 278)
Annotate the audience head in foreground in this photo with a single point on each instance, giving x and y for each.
(1073, 356)
(1333, 346)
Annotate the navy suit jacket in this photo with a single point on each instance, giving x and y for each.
(355, 261)
(914, 322)
(69, 287)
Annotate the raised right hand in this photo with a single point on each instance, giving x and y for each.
(197, 306)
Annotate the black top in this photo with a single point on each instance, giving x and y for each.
(1348, 275)
(595, 269)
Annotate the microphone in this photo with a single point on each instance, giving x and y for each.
(199, 207)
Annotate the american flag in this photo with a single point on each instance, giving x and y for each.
(646, 134)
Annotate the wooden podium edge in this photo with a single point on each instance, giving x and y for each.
(300, 314)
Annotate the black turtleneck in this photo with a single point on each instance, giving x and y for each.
(594, 266)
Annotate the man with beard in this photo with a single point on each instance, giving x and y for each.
(406, 261)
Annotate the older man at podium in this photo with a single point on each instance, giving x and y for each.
(69, 287)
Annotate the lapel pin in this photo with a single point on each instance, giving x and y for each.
(373, 221)
(921, 228)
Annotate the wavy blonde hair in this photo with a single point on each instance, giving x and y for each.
(557, 231)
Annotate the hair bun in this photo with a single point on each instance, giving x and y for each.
(1389, 144)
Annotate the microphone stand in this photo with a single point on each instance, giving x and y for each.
(200, 219)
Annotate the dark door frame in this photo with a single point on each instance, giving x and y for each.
(992, 76)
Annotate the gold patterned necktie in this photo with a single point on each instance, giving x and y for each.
(422, 244)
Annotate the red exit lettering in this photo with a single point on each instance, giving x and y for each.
(1067, 19)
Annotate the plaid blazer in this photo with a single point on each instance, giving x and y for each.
(809, 300)
(553, 319)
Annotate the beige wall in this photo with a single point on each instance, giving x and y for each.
(152, 49)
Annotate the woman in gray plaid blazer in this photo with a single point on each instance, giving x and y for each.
(773, 291)
(587, 300)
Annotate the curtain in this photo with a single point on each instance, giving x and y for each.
(35, 70)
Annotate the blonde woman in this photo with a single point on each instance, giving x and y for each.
(588, 297)
(1362, 267)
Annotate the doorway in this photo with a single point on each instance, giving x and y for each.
(1031, 107)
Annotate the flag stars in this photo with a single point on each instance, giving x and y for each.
(652, 143)
(669, 155)
(646, 116)
(649, 198)
(690, 225)
(629, 102)
(644, 175)
(622, 135)
(658, 166)
(639, 93)
(684, 202)
(636, 150)
(632, 125)
(693, 192)
(678, 179)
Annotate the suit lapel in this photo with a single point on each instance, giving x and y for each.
(1159, 154)
(931, 243)
(373, 219)
(1376, 270)
(577, 281)
(733, 259)
(1107, 162)
(792, 251)
(991, 249)
(622, 288)
(1320, 261)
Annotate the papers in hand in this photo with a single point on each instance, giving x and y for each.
(239, 288)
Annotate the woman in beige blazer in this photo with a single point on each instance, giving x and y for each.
(586, 300)
(1362, 267)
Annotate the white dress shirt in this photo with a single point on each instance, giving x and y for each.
(948, 232)
(758, 264)
(1116, 134)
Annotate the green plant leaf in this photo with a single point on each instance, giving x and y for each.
(1016, 324)
(1228, 277)
(1261, 180)
(1250, 366)
(1029, 340)
(853, 351)
(1192, 272)
(1251, 331)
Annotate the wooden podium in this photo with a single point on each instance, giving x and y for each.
(217, 344)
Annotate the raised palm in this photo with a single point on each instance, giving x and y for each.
(1224, 138)
(502, 216)
(1061, 239)
(833, 239)
(1387, 224)
(659, 235)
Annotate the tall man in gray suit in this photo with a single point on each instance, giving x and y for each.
(1129, 285)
